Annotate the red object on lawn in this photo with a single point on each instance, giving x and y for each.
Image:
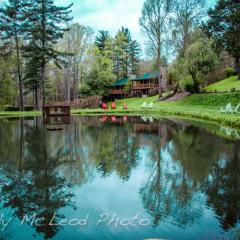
(125, 106)
(104, 106)
(113, 105)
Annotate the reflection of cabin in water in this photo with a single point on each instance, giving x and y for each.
(138, 85)
(145, 127)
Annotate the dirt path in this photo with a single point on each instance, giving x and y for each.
(178, 96)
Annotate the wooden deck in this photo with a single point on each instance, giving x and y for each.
(139, 86)
(116, 91)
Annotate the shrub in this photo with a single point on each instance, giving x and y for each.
(153, 92)
(230, 72)
(29, 108)
(189, 88)
(10, 108)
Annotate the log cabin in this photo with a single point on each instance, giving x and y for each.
(144, 83)
(116, 90)
(139, 85)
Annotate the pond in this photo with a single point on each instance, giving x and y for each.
(118, 178)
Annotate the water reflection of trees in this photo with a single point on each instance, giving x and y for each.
(168, 191)
(223, 188)
(37, 187)
(114, 149)
(185, 161)
(180, 169)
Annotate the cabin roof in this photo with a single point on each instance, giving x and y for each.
(146, 76)
(124, 81)
(121, 82)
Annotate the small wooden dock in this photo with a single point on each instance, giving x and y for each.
(56, 111)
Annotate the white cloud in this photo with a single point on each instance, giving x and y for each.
(109, 15)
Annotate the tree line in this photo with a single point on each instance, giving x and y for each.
(31, 29)
(113, 58)
(45, 57)
(193, 35)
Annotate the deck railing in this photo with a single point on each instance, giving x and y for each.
(115, 91)
(144, 85)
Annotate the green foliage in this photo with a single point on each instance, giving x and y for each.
(44, 28)
(199, 59)
(10, 108)
(6, 81)
(127, 88)
(223, 27)
(101, 74)
(101, 39)
(126, 54)
(230, 72)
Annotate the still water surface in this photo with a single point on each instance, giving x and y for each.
(118, 178)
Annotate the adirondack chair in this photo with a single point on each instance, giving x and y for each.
(150, 105)
(237, 109)
(144, 105)
(227, 109)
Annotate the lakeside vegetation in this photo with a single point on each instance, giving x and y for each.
(197, 106)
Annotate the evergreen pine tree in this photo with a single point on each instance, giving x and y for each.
(135, 53)
(45, 27)
(101, 39)
(11, 28)
(223, 26)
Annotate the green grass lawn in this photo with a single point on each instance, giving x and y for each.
(225, 85)
(197, 106)
(201, 106)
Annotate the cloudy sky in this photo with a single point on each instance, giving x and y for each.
(109, 14)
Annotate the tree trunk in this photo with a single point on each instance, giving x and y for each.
(36, 98)
(237, 63)
(43, 73)
(159, 80)
(19, 74)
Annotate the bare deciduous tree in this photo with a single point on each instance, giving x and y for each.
(153, 22)
(185, 17)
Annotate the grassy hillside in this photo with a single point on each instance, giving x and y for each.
(208, 101)
(213, 100)
(225, 85)
(199, 106)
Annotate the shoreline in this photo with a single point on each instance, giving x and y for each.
(210, 115)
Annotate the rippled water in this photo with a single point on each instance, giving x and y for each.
(118, 178)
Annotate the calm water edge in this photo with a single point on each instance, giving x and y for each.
(118, 178)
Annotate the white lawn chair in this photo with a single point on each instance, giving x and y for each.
(144, 105)
(227, 109)
(237, 109)
(150, 105)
